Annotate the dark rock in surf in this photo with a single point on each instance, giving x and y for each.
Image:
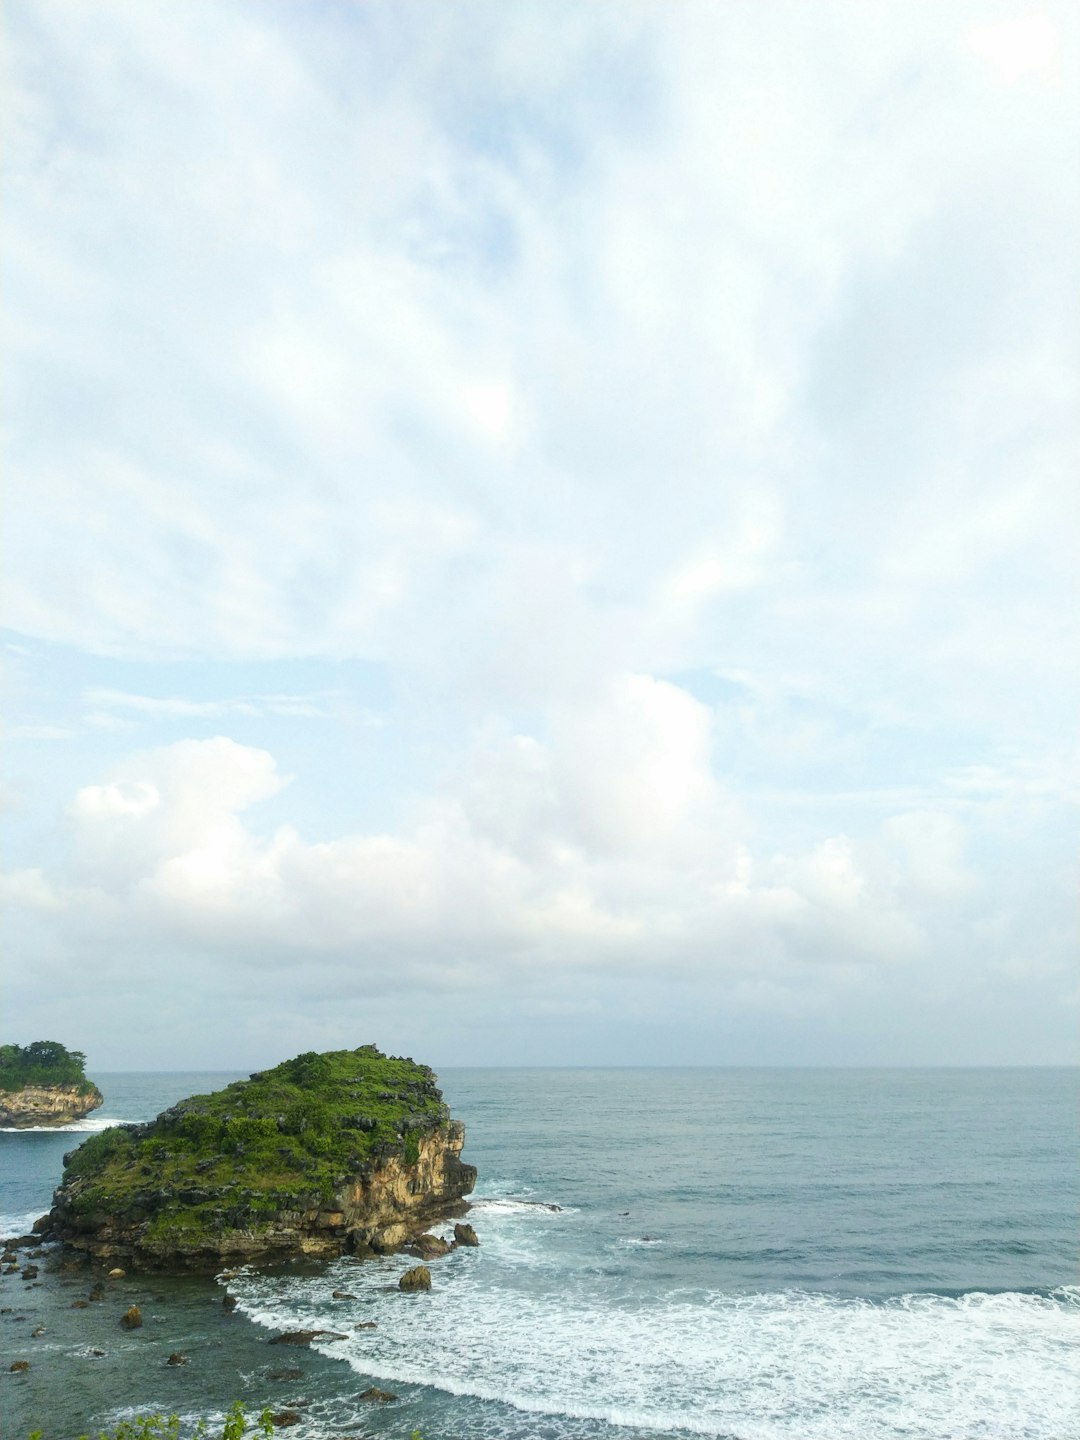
(418, 1278)
(304, 1337)
(374, 1396)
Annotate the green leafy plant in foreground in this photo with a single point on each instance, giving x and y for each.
(167, 1427)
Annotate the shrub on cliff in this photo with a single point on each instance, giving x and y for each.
(44, 1062)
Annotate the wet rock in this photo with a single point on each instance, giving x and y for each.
(418, 1278)
(176, 1359)
(30, 1272)
(342, 1295)
(281, 1418)
(97, 1354)
(286, 1373)
(131, 1318)
(9, 1257)
(19, 1366)
(427, 1247)
(80, 1304)
(228, 1302)
(304, 1337)
(116, 1273)
(375, 1396)
(39, 1331)
(465, 1235)
(97, 1292)
(366, 1325)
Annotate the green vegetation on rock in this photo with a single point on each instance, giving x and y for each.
(45, 1062)
(283, 1141)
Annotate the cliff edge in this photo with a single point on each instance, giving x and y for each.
(348, 1151)
(44, 1084)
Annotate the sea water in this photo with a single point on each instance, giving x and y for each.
(748, 1254)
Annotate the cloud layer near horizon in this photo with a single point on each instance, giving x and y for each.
(670, 407)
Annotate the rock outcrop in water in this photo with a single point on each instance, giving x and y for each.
(345, 1152)
(44, 1084)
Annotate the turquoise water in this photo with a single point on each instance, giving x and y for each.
(754, 1254)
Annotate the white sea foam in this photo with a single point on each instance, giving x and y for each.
(88, 1125)
(513, 1205)
(18, 1224)
(783, 1366)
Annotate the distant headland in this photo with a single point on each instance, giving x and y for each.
(44, 1084)
(350, 1151)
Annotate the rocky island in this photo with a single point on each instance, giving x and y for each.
(350, 1151)
(44, 1084)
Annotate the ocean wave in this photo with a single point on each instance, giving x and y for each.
(514, 1205)
(88, 1125)
(18, 1223)
(791, 1365)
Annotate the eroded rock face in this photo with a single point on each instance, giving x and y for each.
(46, 1105)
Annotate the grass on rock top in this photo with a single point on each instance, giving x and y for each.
(284, 1140)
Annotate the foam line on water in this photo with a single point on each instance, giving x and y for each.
(18, 1224)
(88, 1125)
(784, 1366)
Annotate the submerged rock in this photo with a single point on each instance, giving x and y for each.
(375, 1396)
(176, 1359)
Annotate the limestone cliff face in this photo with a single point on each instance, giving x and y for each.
(381, 1210)
(46, 1105)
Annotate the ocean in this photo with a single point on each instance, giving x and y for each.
(749, 1254)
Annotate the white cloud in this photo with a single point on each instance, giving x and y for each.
(552, 370)
(614, 853)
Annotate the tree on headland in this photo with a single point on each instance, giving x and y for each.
(43, 1062)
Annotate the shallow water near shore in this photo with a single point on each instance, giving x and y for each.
(753, 1254)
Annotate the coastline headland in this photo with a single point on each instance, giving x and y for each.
(44, 1084)
(345, 1152)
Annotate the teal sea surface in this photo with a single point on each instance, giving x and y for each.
(741, 1253)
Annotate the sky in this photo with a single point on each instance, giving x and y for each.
(541, 533)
